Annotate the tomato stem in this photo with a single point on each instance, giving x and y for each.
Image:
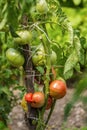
(48, 68)
(50, 113)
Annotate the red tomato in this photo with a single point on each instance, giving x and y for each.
(38, 100)
(28, 97)
(58, 89)
(49, 103)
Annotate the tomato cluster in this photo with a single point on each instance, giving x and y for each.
(37, 100)
(57, 90)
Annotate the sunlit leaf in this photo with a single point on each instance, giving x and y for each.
(6, 91)
(70, 64)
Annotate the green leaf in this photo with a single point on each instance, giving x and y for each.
(79, 50)
(70, 64)
(12, 15)
(12, 31)
(40, 69)
(65, 24)
(5, 8)
(4, 20)
(82, 57)
(2, 125)
(77, 45)
(68, 74)
(6, 91)
(77, 67)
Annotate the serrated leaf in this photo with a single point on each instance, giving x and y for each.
(77, 45)
(65, 24)
(68, 74)
(82, 57)
(79, 50)
(70, 64)
(77, 67)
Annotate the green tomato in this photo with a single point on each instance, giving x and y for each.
(39, 57)
(15, 57)
(25, 37)
(53, 57)
(42, 7)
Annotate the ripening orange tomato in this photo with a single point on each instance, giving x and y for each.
(58, 89)
(36, 99)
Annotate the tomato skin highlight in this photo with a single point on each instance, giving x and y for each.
(58, 89)
(15, 57)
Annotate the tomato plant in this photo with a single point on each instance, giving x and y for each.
(58, 89)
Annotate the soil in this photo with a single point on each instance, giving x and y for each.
(76, 119)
